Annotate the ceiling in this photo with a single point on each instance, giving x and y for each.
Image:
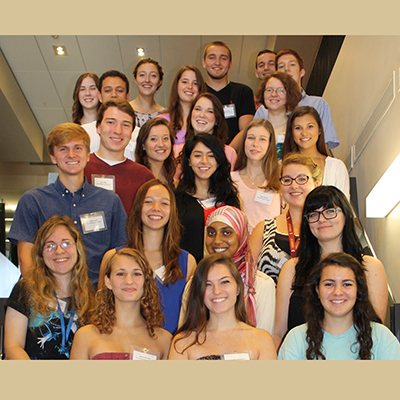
(36, 86)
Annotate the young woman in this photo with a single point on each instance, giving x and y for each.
(227, 233)
(274, 241)
(327, 226)
(154, 149)
(341, 322)
(187, 85)
(153, 229)
(207, 116)
(216, 325)
(305, 135)
(126, 322)
(256, 173)
(86, 99)
(205, 184)
(47, 306)
(148, 77)
(279, 93)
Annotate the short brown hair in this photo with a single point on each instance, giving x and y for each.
(217, 43)
(293, 53)
(122, 105)
(64, 133)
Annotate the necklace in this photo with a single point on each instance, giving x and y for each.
(253, 180)
(220, 344)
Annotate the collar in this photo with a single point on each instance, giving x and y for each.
(60, 188)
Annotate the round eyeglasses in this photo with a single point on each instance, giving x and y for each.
(328, 213)
(300, 180)
(277, 90)
(49, 247)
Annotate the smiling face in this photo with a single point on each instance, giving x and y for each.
(60, 261)
(221, 290)
(256, 143)
(113, 87)
(126, 279)
(203, 162)
(289, 64)
(88, 94)
(337, 292)
(203, 116)
(188, 88)
(147, 79)
(158, 144)
(156, 208)
(274, 101)
(305, 132)
(221, 238)
(217, 61)
(265, 65)
(296, 194)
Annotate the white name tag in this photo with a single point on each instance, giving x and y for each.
(229, 111)
(208, 203)
(141, 353)
(93, 222)
(263, 197)
(281, 138)
(236, 356)
(160, 273)
(104, 181)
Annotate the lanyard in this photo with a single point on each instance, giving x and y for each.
(65, 333)
(294, 244)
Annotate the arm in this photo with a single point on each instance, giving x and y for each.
(80, 349)
(103, 265)
(267, 349)
(377, 285)
(184, 303)
(265, 302)
(244, 120)
(283, 293)
(236, 141)
(191, 266)
(25, 261)
(256, 240)
(15, 328)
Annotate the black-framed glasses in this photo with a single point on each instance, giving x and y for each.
(300, 180)
(328, 213)
(49, 247)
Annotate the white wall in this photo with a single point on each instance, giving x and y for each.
(362, 71)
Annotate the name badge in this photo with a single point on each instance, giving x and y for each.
(263, 197)
(229, 111)
(104, 181)
(142, 353)
(207, 203)
(93, 222)
(236, 356)
(281, 138)
(160, 273)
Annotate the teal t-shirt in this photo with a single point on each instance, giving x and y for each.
(343, 346)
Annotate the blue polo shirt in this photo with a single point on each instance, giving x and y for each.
(37, 205)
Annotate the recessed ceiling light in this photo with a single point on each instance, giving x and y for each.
(141, 51)
(60, 50)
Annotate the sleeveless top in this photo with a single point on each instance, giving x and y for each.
(111, 356)
(296, 305)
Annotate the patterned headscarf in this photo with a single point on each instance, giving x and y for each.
(235, 218)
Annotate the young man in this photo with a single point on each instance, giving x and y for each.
(97, 213)
(265, 64)
(290, 62)
(108, 167)
(237, 99)
(113, 85)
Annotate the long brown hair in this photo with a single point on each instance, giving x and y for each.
(172, 231)
(150, 307)
(77, 109)
(41, 283)
(270, 164)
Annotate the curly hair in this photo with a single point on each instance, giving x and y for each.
(220, 130)
(150, 307)
(169, 165)
(172, 235)
(197, 314)
(293, 93)
(221, 185)
(270, 164)
(289, 145)
(309, 250)
(150, 61)
(41, 284)
(174, 108)
(77, 109)
(363, 311)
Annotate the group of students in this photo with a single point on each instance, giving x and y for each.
(227, 254)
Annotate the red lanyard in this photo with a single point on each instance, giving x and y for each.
(294, 244)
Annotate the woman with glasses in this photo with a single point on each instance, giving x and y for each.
(46, 308)
(327, 226)
(274, 241)
(279, 93)
(305, 135)
(341, 323)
